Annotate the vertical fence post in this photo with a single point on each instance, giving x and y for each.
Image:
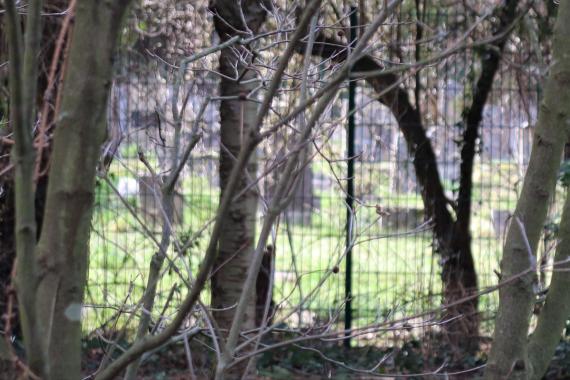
(350, 183)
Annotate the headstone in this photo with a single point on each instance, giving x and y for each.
(500, 217)
(304, 202)
(149, 196)
(127, 187)
(402, 218)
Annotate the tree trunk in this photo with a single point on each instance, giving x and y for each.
(553, 316)
(51, 278)
(509, 358)
(236, 243)
(459, 275)
(263, 288)
(460, 280)
(238, 117)
(50, 30)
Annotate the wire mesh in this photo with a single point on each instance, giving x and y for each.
(395, 270)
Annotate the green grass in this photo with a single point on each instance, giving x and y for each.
(392, 276)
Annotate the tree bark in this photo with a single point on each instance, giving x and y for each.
(458, 272)
(23, 67)
(509, 358)
(263, 288)
(238, 118)
(50, 28)
(553, 316)
(236, 243)
(51, 274)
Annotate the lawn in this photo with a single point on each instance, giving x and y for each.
(394, 273)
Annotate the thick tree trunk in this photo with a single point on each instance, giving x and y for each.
(509, 358)
(52, 274)
(238, 117)
(460, 281)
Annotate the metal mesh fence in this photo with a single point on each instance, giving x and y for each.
(395, 272)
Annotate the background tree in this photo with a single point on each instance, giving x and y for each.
(450, 218)
(238, 112)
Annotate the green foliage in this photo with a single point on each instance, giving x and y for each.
(335, 361)
(103, 190)
(131, 150)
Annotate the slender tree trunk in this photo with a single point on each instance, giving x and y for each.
(236, 243)
(23, 67)
(553, 316)
(458, 272)
(509, 358)
(238, 117)
(157, 260)
(50, 30)
(452, 235)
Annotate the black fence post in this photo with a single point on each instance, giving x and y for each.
(350, 183)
